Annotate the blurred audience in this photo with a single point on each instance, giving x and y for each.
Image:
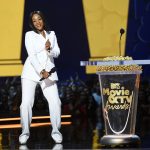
(81, 99)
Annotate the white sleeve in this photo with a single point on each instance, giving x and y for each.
(55, 50)
(31, 53)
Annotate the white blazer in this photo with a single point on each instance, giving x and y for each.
(38, 57)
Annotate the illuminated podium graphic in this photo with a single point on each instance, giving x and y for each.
(119, 91)
(119, 95)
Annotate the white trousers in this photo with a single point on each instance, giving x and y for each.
(50, 92)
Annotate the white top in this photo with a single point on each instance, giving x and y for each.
(38, 57)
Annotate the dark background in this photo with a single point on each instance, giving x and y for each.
(138, 32)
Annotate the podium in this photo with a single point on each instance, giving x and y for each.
(119, 92)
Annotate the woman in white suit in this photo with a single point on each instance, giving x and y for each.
(42, 48)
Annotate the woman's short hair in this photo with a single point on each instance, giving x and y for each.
(31, 22)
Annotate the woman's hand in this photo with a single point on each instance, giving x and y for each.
(47, 45)
(44, 74)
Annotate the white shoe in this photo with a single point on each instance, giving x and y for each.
(23, 139)
(23, 147)
(58, 147)
(57, 137)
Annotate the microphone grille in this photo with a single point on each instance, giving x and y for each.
(122, 31)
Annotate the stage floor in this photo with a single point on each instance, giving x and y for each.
(75, 136)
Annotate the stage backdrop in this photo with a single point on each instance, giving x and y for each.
(11, 14)
(85, 29)
(104, 19)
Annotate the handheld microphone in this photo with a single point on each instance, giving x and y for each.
(122, 31)
(50, 72)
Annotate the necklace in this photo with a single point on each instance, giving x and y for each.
(107, 118)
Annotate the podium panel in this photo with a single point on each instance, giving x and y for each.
(119, 86)
(119, 91)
